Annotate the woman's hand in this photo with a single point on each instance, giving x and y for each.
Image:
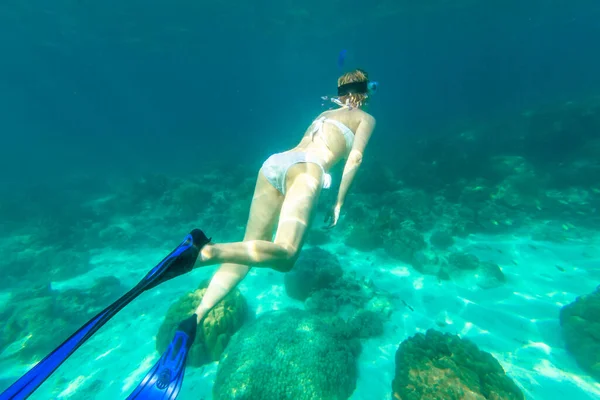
(333, 216)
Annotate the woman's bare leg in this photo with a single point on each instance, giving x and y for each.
(266, 203)
(296, 214)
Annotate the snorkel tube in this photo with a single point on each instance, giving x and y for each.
(372, 86)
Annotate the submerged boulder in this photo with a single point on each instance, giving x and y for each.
(30, 314)
(215, 330)
(441, 239)
(285, 355)
(443, 366)
(316, 269)
(460, 266)
(580, 324)
(404, 241)
(490, 276)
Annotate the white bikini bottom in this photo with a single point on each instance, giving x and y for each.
(275, 168)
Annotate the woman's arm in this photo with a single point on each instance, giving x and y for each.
(361, 139)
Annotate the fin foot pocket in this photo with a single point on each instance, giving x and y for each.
(183, 262)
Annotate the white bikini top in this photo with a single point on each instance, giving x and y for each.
(347, 132)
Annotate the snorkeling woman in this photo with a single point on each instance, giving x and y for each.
(287, 189)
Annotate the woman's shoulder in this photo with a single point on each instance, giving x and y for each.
(368, 117)
(363, 116)
(344, 114)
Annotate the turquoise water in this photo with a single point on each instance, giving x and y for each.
(474, 213)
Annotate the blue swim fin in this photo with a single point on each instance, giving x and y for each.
(178, 262)
(165, 378)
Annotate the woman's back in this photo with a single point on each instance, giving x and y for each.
(331, 135)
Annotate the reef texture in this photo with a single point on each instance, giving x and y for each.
(314, 270)
(288, 355)
(438, 366)
(215, 330)
(580, 323)
(459, 265)
(500, 176)
(30, 314)
(318, 280)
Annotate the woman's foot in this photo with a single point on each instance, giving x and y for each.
(206, 256)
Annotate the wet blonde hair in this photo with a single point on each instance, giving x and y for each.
(355, 99)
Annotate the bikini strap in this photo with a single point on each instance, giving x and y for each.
(318, 123)
(339, 103)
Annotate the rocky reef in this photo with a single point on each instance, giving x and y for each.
(215, 330)
(580, 326)
(319, 280)
(285, 355)
(435, 365)
(30, 314)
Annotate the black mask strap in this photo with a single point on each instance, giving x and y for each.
(353, 88)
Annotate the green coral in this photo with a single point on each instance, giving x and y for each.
(318, 237)
(186, 197)
(392, 221)
(404, 241)
(580, 323)
(316, 269)
(31, 313)
(346, 291)
(441, 366)
(490, 276)
(487, 274)
(215, 330)
(441, 239)
(362, 237)
(56, 264)
(366, 324)
(463, 261)
(285, 355)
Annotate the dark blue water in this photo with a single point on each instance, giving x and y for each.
(124, 88)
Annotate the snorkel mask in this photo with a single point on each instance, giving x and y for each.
(365, 87)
